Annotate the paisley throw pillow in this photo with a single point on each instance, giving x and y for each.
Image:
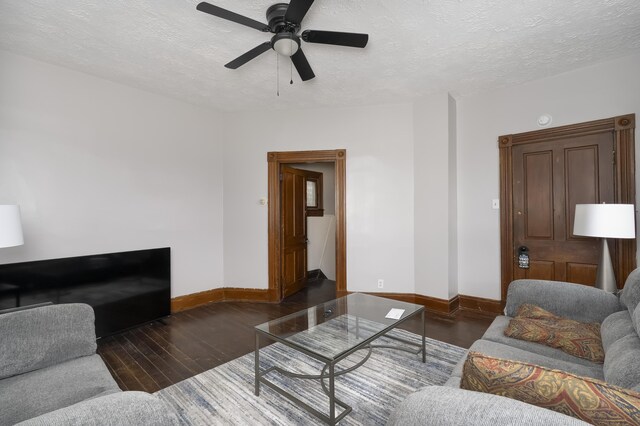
(587, 399)
(579, 339)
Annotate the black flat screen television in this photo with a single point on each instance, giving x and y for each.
(125, 289)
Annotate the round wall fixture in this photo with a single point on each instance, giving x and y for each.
(544, 120)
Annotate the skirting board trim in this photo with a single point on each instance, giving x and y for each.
(430, 303)
(480, 304)
(448, 307)
(225, 294)
(231, 294)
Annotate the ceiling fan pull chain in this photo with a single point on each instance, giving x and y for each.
(291, 65)
(277, 75)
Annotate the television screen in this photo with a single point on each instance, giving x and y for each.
(125, 289)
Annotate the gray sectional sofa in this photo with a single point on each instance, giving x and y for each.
(50, 374)
(620, 326)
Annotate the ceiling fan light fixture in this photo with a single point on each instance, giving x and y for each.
(286, 44)
(285, 20)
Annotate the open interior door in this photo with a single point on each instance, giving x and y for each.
(294, 230)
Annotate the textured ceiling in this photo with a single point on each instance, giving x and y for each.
(416, 47)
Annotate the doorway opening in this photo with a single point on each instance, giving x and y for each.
(296, 188)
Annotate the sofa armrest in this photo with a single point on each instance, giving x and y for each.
(36, 338)
(122, 408)
(574, 301)
(445, 406)
(24, 308)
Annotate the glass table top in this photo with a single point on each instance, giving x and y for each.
(335, 327)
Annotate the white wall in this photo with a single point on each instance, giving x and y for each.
(452, 117)
(99, 167)
(431, 194)
(379, 144)
(321, 249)
(591, 93)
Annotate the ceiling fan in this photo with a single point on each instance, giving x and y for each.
(284, 21)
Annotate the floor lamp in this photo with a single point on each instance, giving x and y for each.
(10, 226)
(605, 221)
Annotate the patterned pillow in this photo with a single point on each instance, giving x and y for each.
(528, 310)
(590, 400)
(579, 339)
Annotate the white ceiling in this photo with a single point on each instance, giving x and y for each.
(416, 47)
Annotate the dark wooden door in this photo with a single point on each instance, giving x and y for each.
(294, 230)
(543, 175)
(549, 179)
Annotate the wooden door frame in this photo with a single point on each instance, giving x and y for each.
(275, 160)
(623, 129)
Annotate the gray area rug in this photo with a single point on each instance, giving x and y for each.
(224, 395)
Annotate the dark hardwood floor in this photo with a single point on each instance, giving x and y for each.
(161, 353)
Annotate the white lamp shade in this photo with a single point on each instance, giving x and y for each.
(605, 220)
(10, 226)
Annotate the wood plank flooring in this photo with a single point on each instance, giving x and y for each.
(159, 354)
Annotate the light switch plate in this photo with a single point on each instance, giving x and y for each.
(495, 204)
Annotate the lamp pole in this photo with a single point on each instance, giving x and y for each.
(606, 278)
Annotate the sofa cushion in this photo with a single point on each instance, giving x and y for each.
(439, 406)
(630, 295)
(499, 350)
(44, 336)
(622, 362)
(615, 327)
(635, 320)
(574, 301)
(590, 400)
(452, 382)
(495, 333)
(534, 324)
(116, 409)
(32, 394)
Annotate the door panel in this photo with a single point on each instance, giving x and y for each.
(538, 187)
(538, 269)
(581, 273)
(541, 270)
(294, 230)
(582, 181)
(549, 179)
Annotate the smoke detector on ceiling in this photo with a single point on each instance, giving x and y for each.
(544, 120)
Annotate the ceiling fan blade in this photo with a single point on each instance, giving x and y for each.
(337, 38)
(302, 65)
(253, 53)
(231, 16)
(296, 10)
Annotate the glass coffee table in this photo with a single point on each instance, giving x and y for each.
(329, 333)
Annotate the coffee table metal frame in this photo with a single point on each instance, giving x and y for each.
(330, 365)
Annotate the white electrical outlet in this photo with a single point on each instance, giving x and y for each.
(380, 283)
